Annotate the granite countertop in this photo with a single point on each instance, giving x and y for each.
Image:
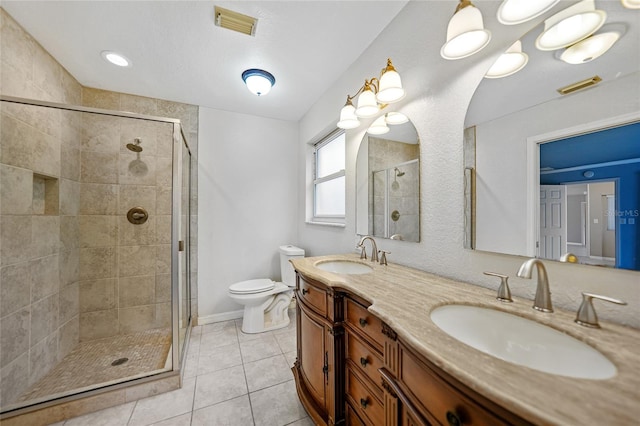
(403, 298)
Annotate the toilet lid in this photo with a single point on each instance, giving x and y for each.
(252, 286)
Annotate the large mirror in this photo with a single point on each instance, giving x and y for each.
(558, 174)
(388, 184)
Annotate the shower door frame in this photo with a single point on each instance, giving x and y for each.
(177, 365)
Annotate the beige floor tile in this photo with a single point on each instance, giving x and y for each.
(183, 420)
(214, 359)
(219, 338)
(219, 386)
(267, 372)
(277, 405)
(287, 341)
(255, 350)
(164, 406)
(235, 412)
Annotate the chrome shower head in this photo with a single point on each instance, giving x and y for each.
(398, 172)
(135, 147)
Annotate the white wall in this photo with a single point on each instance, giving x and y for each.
(248, 171)
(438, 93)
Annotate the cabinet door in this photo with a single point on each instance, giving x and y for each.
(313, 356)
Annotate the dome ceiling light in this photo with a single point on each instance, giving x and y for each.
(512, 12)
(373, 95)
(465, 33)
(590, 48)
(259, 82)
(510, 62)
(571, 25)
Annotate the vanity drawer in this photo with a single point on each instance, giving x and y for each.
(362, 320)
(352, 418)
(362, 399)
(364, 359)
(441, 400)
(313, 296)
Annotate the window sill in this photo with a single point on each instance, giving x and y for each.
(332, 224)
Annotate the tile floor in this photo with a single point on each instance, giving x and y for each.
(230, 378)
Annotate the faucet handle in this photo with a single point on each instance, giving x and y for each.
(383, 256)
(587, 314)
(504, 293)
(363, 252)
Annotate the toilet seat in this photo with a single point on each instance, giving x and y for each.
(252, 286)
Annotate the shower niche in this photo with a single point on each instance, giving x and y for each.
(90, 301)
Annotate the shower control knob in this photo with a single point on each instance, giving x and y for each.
(137, 215)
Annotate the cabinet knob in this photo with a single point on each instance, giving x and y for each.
(305, 291)
(364, 402)
(364, 361)
(363, 322)
(453, 419)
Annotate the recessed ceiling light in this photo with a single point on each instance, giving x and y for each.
(571, 25)
(512, 12)
(590, 48)
(116, 58)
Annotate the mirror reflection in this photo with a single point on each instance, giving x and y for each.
(527, 135)
(388, 192)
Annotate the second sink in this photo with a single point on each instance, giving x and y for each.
(344, 267)
(521, 341)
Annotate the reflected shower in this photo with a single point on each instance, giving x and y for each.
(398, 172)
(137, 148)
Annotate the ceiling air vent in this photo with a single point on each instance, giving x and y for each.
(579, 85)
(235, 21)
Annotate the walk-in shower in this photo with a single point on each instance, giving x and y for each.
(93, 297)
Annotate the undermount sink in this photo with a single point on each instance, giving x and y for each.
(521, 341)
(344, 267)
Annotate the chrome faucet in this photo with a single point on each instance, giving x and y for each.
(542, 300)
(374, 248)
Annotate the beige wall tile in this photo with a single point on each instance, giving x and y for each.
(163, 288)
(69, 232)
(163, 314)
(44, 319)
(137, 169)
(163, 264)
(164, 171)
(47, 74)
(42, 357)
(15, 288)
(69, 162)
(98, 198)
(14, 336)
(137, 260)
(138, 318)
(45, 235)
(45, 154)
(138, 104)
(165, 140)
(14, 379)
(18, 47)
(69, 266)
(136, 234)
(98, 324)
(136, 196)
(69, 303)
(15, 234)
(69, 336)
(136, 291)
(71, 128)
(98, 231)
(98, 295)
(98, 167)
(163, 200)
(16, 192)
(101, 133)
(98, 98)
(17, 142)
(163, 229)
(97, 263)
(72, 90)
(45, 277)
(69, 197)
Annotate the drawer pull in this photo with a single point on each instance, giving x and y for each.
(364, 402)
(364, 361)
(305, 291)
(363, 322)
(453, 419)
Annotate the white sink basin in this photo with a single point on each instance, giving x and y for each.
(521, 341)
(344, 267)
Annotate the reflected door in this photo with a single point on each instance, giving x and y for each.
(553, 221)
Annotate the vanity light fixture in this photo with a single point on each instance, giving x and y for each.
(115, 58)
(395, 118)
(512, 12)
(590, 48)
(259, 82)
(631, 4)
(510, 62)
(466, 34)
(571, 25)
(373, 95)
(379, 127)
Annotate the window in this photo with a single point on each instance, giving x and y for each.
(329, 179)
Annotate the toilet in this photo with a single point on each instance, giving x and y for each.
(265, 301)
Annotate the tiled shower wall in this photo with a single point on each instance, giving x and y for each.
(66, 180)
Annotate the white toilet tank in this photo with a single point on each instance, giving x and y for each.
(286, 268)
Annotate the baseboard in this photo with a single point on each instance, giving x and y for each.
(225, 316)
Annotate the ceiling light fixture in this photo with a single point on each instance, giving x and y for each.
(379, 127)
(510, 62)
(259, 82)
(395, 118)
(115, 58)
(590, 48)
(571, 25)
(465, 33)
(631, 4)
(512, 12)
(373, 95)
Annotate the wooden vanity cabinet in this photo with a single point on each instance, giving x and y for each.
(319, 368)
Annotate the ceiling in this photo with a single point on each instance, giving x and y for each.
(179, 54)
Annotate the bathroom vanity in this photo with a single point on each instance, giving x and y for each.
(369, 354)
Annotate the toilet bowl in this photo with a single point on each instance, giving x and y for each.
(265, 301)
